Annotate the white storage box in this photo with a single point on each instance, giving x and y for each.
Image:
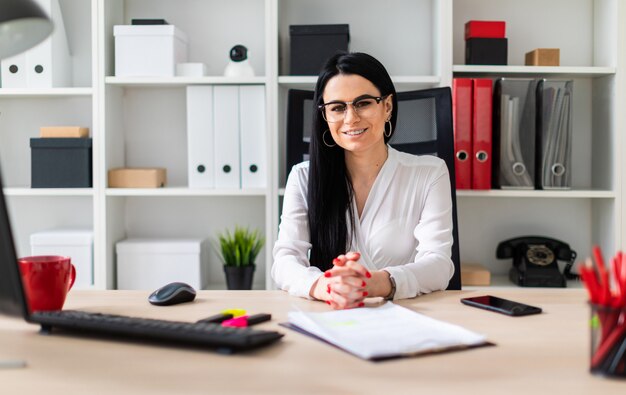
(148, 264)
(148, 50)
(77, 244)
(191, 69)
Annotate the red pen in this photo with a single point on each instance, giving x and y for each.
(584, 274)
(591, 281)
(617, 297)
(622, 278)
(605, 287)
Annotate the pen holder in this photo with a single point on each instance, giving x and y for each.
(608, 340)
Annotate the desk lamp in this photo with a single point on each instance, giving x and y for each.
(23, 24)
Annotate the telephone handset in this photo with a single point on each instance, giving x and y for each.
(535, 261)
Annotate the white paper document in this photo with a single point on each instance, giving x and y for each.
(385, 331)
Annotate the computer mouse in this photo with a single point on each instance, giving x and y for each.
(172, 293)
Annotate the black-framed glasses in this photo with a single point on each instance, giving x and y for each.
(364, 106)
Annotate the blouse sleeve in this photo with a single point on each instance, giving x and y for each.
(432, 268)
(291, 270)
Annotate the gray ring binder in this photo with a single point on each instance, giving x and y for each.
(519, 168)
(558, 169)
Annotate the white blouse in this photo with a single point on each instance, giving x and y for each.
(405, 228)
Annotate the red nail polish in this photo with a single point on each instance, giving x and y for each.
(328, 288)
(327, 274)
(365, 293)
(368, 275)
(336, 261)
(328, 302)
(361, 304)
(364, 284)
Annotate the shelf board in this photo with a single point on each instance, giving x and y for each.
(183, 191)
(502, 281)
(297, 81)
(51, 92)
(533, 71)
(503, 193)
(531, 193)
(420, 81)
(401, 82)
(27, 191)
(183, 81)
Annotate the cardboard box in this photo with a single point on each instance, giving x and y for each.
(312, 45)
(148, 264)
(137, 177)
(75, 243)
(474, 274)
(148, 50)
(543, 57)
(63, 132)
(61, 163)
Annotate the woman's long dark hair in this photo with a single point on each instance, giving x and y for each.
(330, 191)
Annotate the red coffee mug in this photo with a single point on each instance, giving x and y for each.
(47, 279)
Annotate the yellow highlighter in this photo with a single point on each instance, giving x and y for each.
(235, 312)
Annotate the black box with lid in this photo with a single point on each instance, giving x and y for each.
(61, 162)
(486, 51)
(312, 45)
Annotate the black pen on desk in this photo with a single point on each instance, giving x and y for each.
(216, 319)
(12, 364)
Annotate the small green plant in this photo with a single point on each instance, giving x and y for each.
(241, 247)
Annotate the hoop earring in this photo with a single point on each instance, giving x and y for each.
(390, 129)
(324, 140)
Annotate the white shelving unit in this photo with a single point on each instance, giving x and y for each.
(142, 121)
(144, 124)
(589, 213)
(23, 111)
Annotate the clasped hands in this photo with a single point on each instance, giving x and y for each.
(348, 283)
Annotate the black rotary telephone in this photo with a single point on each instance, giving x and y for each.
(535, 261)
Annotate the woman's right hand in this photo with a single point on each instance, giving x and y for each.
(343, 286)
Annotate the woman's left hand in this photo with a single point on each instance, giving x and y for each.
(347, 282)
(347, 270)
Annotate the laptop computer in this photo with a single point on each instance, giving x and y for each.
(14, 303)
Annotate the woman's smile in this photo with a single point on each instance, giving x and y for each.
(354, 132)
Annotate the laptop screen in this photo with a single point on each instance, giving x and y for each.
(12, 300)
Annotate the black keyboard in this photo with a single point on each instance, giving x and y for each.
(223, 339)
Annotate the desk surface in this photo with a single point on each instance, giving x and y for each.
(546, 353)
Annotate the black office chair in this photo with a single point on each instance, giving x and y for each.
(424, 127)
(300, 107)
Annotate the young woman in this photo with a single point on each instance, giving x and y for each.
(361, 218)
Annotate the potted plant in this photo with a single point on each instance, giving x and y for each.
(238, 251)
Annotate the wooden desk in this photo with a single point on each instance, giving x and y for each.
(540, 354)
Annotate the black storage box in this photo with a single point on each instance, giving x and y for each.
(486, 51)
(61, 163)
(312, 45)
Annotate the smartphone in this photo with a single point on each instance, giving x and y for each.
(500, 305)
